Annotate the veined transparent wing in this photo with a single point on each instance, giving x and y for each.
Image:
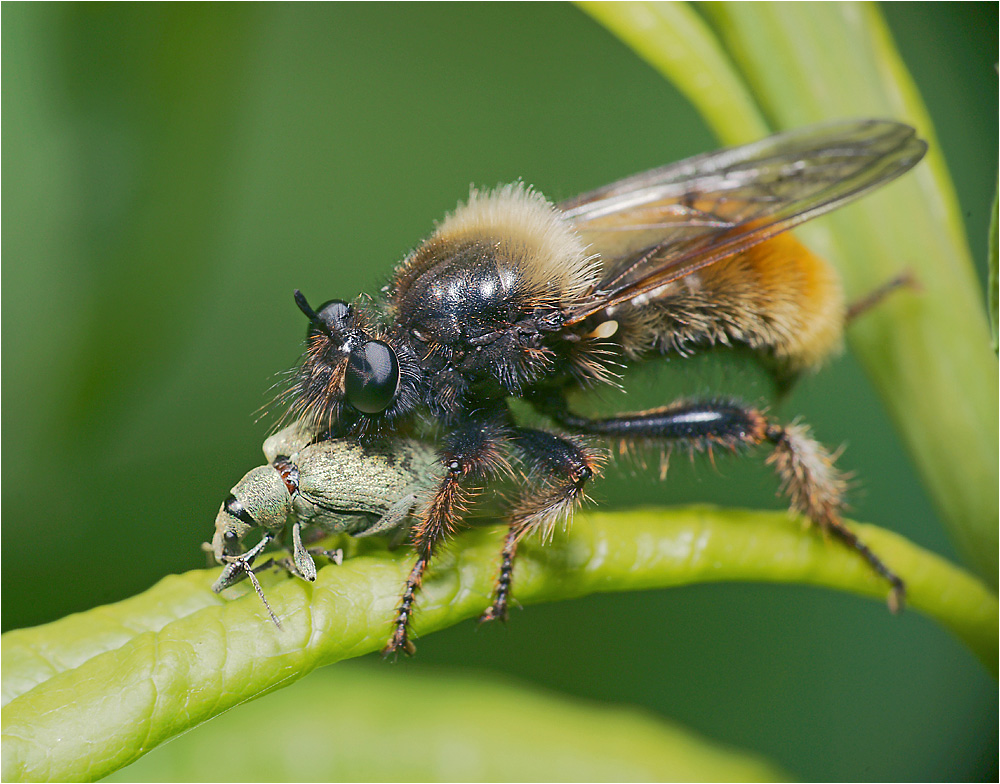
(660, 225)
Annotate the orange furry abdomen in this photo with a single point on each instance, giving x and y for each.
(782, 283)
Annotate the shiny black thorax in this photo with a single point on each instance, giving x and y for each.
(479, 329)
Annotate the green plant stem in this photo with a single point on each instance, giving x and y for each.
(188, 662)
(993, 283)
(678, 43)
(928, 351)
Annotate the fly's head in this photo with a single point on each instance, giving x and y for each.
(354, 378)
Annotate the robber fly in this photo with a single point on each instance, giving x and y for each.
(513, 296)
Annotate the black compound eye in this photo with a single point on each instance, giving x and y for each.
(335, 314)
(230, 543)
(372, 377)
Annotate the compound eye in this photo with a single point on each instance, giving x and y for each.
(372, 378)
(335, 314)
(230, 543)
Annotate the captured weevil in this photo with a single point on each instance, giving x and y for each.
(338, 486)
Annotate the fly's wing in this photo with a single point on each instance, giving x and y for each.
(658, 226)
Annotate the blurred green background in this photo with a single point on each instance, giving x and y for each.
(173, 172)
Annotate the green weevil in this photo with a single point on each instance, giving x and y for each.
(338, 486)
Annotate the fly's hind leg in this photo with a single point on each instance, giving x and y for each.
(816, 489)
(874, 298)
(814, 486)
(563, 468)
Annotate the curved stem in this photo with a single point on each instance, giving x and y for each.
(93, 692)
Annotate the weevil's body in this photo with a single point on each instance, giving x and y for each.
(335, 486)
(513, 296)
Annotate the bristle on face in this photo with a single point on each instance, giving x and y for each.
(319, 387)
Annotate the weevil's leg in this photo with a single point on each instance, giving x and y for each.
(565, 467)
(813, 485)
(301, 564)
(334, 556)
(393, 517)
(239, 567)
(471, 454)
(288, 564)
(397, 539)
(305, 567)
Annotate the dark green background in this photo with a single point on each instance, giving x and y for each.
(173, 172)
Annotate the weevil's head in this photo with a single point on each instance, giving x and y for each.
(262, 500)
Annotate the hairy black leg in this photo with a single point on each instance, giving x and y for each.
(814, 486)
(816, 489)
(501, 590)
(564, 468)
(875, 297)
(698, 424)
(471, 454)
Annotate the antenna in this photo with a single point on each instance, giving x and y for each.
(311, 314)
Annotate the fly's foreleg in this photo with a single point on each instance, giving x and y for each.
(470, 455)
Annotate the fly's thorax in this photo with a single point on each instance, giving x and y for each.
(466, 292)
(524, 231)
(477, 300)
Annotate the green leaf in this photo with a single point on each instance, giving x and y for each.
(991, 257)
(355, 723)
(927, 351)
(156, 665)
